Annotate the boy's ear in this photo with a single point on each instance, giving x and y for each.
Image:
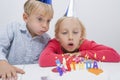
(25, 17)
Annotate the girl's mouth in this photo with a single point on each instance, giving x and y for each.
(70, 44)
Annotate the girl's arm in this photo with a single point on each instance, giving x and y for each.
(98, 52)
(50, 53)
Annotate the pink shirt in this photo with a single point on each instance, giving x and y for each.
(90, 48)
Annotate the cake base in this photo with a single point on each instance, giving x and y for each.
(78, 75)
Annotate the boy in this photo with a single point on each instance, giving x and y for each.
(22, 43)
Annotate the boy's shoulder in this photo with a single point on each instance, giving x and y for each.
(13, 26)
(16, 24)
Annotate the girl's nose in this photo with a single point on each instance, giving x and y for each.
(70, 37)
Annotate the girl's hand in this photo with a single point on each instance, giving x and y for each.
(77, 54)
(9, 72)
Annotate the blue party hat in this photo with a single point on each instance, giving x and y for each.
(46, 1)
(69, 11)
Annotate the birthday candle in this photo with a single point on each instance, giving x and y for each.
(77, 65)
(63, 68)
(59, 70)
(95, 65)
(81, 59)
(81, 65)
(95, 56)
(68, 65)
(58, 62)
(100, 62)
(88, 64)
(77, 59)
(103, 58)
(64, 63)
(72, 65)
(85, 57)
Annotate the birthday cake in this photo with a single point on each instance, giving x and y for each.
(83, 70)
(79, 75)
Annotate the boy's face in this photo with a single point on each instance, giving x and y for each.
(37, 22)
(69, 34)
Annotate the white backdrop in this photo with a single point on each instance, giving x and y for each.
(100, 17)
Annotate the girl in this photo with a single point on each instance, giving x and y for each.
(70, 39)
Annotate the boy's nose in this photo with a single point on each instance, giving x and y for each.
(44, 25)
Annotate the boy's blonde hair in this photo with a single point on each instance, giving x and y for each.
(32, 5)
(57, 26)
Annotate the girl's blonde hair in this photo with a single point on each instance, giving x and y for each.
(32, 5)
(57, 26)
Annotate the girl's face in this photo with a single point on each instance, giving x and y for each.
(69, 34)
(37, 22)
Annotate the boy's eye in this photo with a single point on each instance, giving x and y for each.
(48, 21)
(40, 19)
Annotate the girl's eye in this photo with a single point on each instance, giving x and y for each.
(64, 33)
(75, 32)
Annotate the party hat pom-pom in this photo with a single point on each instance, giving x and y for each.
(46, 1)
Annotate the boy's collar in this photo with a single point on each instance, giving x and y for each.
(23, 27)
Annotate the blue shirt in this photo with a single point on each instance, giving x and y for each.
(17, 46)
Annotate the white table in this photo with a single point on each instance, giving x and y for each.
(35, 72)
